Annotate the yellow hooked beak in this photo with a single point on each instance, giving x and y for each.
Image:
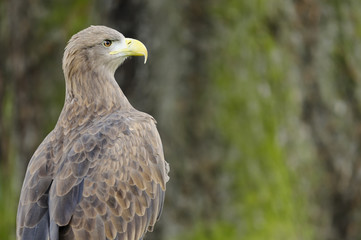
(133, 48)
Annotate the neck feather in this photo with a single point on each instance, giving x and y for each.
(95, 86)
(90, 91)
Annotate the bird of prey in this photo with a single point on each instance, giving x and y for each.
(101, 172)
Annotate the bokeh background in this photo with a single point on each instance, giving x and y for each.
(258, 104)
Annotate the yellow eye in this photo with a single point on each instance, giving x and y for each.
(107, 43)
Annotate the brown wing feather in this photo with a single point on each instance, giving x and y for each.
(124, 193)
(33, 203)
(106, 180)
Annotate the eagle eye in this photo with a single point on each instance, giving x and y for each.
(107, 43)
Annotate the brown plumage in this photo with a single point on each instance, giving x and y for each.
(101, 173)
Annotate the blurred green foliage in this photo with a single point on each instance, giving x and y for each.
(9, 195)
(254, 104)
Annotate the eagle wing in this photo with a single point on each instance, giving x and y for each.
(33, 214)
(109, 181)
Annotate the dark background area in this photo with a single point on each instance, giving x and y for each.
(257, 102)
